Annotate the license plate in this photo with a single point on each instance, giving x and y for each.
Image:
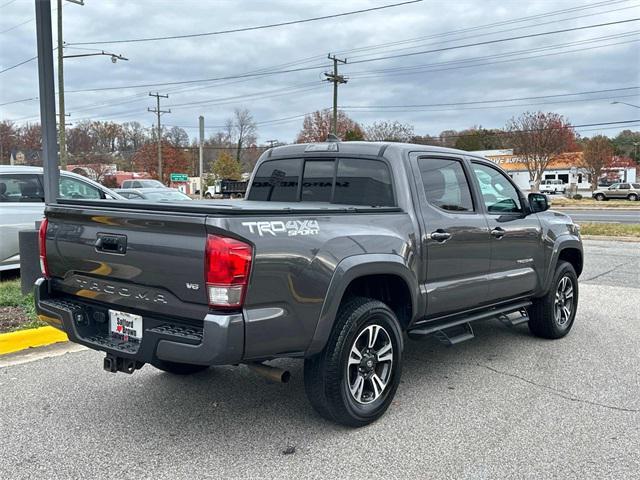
(125, 326)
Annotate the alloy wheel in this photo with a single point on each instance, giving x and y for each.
(370, 364)
(563, 304)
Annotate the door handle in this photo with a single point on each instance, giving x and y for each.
(498, 233)
(440, 236)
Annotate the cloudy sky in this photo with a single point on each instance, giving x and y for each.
(392, 65)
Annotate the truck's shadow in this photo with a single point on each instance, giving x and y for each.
(227, 402)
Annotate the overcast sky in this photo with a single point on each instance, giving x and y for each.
(587, 60)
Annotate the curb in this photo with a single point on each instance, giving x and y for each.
(584, 207)
(34, 337)
(611, 238)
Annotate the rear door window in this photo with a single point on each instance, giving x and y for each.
(445, 184)
(277, 180)
(363, 182)
(20, 188)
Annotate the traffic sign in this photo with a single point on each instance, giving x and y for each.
(179, 177)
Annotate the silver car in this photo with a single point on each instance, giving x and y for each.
(22, 204)
(628, 191)
(163, 194)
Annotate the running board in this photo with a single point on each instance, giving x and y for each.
(514, 318)
(455, 335)
(443, 330)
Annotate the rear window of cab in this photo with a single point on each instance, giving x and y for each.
(350, 181)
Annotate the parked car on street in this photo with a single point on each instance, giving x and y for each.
(553, 186)
(153, 194)
(142, 183)
(22, 204)
(338, 250)
(628, 191)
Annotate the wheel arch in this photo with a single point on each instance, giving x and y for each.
(384, 277)
(568, 249)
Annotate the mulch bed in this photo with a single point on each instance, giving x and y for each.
(11, 318)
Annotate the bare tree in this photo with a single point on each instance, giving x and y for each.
(536, 138)
(389, 132)
(316, 127)
(177, 137)
(597, 155)
(243, 130)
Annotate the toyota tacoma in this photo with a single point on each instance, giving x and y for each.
(338, 253)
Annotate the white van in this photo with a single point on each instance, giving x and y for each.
(553, 186)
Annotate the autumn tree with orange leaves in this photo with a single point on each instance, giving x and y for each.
(174, 160)
(597, 155)
(317, 127)
(538, 137)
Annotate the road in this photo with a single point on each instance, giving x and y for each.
(504, 405)
(610, 215)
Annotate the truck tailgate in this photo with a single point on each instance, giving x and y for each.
(145, 260)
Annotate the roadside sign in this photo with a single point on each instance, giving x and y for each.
(179, 177)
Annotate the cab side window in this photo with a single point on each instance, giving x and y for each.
(498, 193)
(445, 184)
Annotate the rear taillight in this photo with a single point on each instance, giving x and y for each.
(42, 243)
(227, 267)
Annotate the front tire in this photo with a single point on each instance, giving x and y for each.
(354, 379)
(552, 316)
(599, 197)
(179, 368)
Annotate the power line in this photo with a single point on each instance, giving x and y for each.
(499, 40)
(8, 3)
(419, 40)
(18, 101)
(492, 101)
(425, 68)
(315, 67)
(490, 25)
(16, 26)
(18, 64)
(247, 29)
(359, 73)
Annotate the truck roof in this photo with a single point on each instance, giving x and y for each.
(359, 148)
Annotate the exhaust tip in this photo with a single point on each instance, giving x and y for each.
(273, 374)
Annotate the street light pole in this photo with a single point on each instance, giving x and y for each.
(625, 103)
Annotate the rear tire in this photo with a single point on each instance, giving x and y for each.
(633, 197)
(354, 379)
(179, 368)
(552, 316)
(599, 197)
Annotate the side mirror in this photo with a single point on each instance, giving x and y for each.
(538, 202)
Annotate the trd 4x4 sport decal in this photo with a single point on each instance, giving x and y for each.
(292, 228)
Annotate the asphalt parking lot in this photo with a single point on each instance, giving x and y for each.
(504, 405)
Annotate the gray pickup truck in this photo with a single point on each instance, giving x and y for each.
(338, 252)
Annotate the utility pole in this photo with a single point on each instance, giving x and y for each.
(201, 156)
(159, 112)
(47, 95)
(336, 79)
(62, 136)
